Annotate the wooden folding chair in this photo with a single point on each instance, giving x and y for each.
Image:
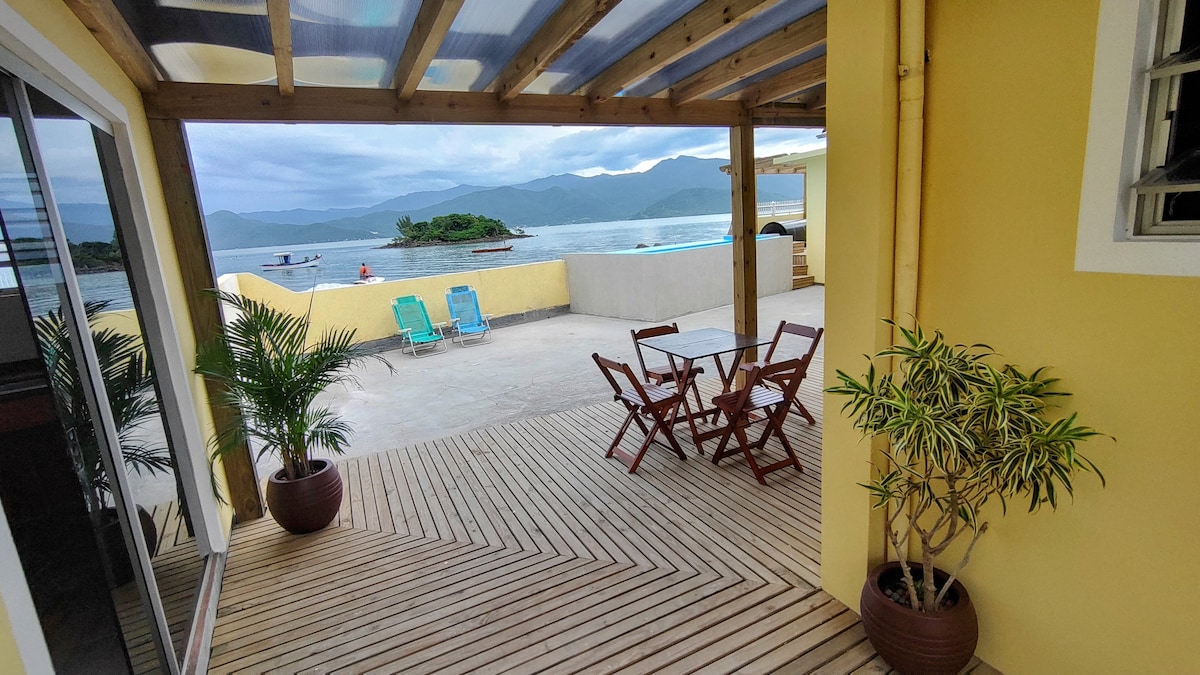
(663, 375)
(651, 401)
(772, 406)
(800, 330)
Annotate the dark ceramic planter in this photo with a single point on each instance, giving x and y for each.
(113, 541)
(912, 641)
(305, 504)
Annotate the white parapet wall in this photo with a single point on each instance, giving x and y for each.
(663, 282)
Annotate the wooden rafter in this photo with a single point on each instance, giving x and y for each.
(110, 29)
(783, 85)
(702, 25)
(812, 99)
(785, 43)
(261, 103)
(279, 15)
(564, 28)
(433, 23)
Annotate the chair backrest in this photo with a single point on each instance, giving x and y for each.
(608, 367)
(799, 330)
(410, 314)
(653, 331)
(464, 305)
(786, 375)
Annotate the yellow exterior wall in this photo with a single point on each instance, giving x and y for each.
(861, 159)
(58, 24)
(502, 291)
(1106, 584)
(10, 657)
(814, 206)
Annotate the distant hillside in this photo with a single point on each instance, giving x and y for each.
(696, 201)
(685, 186)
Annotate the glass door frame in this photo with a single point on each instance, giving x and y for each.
(54, 74)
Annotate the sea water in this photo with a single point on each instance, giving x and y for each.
(340, 261)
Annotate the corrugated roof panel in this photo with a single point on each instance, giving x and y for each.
(349, 43)
(749, 32)
(628, 25)
(484, 37)
(195, 62)
(772, 71)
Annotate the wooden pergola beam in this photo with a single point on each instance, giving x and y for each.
(263, 103)
(787, 115)
(702, 25)
(783, 85)
(279, 15)
(785, 43)
(191, 247)
(564, 28)
(110, 29)
(745, 225)
(431, 26)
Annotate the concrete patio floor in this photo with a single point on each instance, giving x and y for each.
(527, 370)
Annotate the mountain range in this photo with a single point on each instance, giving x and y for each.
(685, 186)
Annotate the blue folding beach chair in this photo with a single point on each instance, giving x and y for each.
(468, 323)
(418, 334)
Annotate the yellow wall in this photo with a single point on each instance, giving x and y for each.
(1106, 584)
(10, 658)
(502, 291)
(861, 158)
(814, 206)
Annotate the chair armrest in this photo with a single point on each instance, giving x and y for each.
(404, 331)
(488, 316)
(439, 324)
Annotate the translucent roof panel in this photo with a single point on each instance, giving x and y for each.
(772, 71)
(749, 32)
(195, 62)
(628, 25)
(350, 43)
(204, 40)
(484, 37)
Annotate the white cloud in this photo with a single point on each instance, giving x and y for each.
(252, 167)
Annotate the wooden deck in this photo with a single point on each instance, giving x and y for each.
(520, 548)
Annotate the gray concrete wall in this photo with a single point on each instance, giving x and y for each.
(658, 286)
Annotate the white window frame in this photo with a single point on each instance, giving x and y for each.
(1105, 242)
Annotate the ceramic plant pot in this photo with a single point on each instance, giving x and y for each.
(305, 504)
(917, 642)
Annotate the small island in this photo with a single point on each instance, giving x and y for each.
(455, 228)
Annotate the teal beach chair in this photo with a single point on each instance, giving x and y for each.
(418, 334)
(468, 323)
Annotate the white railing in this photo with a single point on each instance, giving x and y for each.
(780, 208)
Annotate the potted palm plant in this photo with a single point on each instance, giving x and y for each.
(268, 369)
(129, 384)
(961, 432)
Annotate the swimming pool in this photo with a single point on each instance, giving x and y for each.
(651, 250)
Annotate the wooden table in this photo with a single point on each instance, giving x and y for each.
(692, 345)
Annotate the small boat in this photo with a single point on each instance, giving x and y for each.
(284, 262)
(369, 280)
(492, 250)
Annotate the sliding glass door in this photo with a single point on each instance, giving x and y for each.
(89, 474)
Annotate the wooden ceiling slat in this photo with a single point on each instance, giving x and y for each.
(787, 115)
(430, 28)
(261, 103)
(110, 29)
(783, 85)
(785, 43)
(813, 99)
(702, 25)
(564, 28)
(279, 15)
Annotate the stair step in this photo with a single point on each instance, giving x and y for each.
(802, 282)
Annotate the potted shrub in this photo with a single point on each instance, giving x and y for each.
(268, 370)
(129, 384)
(961, 432)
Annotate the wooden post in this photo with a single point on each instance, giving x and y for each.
(196, 266)
(745, 222)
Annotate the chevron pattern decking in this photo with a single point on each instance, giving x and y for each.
(519, 548)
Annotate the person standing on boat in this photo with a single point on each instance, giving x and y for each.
(364, 272)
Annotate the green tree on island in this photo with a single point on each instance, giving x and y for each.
(449, 229)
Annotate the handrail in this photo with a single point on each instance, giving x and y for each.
(780, 208)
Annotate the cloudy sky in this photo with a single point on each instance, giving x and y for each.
(256, 167)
